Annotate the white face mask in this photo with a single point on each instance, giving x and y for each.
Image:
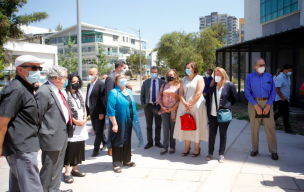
(217, 79)
(261, 70)
(91, 78)
(207, 75)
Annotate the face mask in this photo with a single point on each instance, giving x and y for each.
(33, 77)
(75, 86)
(289, 73)
(188, 72)
(170, 78)
(261, 70)
(124, 71)
(66, 83)
(217, 79)
(103, 80)
(207, 75)
(91, 78)
(154, 75)
(123, 82)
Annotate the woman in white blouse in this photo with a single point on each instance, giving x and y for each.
(75, 152)
(225, 93)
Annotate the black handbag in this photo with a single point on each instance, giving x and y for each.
(156, 108)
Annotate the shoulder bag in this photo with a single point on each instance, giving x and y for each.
(223, 115)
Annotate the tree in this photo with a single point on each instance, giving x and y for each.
(102, 63)
(10, 22)
(220, 32)
(134, 62)
(58, 27)
(69, 60)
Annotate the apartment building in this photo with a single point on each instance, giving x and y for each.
(214, 18)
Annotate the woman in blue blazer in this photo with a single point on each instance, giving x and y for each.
(121, 110)
(226, 96)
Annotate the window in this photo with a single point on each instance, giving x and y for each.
(53, 40)
(60, 39)
(133, 41)
(123, 38)
(91, 49)
(83, 49)
(60, 51)
(115, 38)
(127, 39)
(272, 9)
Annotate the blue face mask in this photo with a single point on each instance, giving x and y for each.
(154, 75)
(65, 84)
(289, 73)
(123, 82)
(188, 72)
(124, 71)
(33, 77)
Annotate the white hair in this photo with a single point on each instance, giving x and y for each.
(258, 59)
(56, 71)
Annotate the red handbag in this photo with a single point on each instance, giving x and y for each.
(187, 122)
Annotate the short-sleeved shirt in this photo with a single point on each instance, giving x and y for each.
(283, 82)
(17, 103)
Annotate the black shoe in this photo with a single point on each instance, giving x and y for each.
(69, 190)
(148, 146)
(164, 151)
(172, 151)
(95, 153)
(104, 147)
(290, 131)
(274, 156)
(158, 144)
(254, 153)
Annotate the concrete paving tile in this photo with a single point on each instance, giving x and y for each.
(165, 185)
(92, 169)
(280, 181)
(136, 172)
(204, 175)
(162, 174)
(250, 180)
(186, 175)
(300, 182)
(243, 188)
(251, 167)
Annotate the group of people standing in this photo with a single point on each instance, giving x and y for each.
(177, 98)
(54, 118)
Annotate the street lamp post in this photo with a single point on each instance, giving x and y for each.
(79, 51)
(139, 54)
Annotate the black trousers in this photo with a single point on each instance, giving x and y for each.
(149, 120)
(98, 127)
(223, 127)
(283, 109)
(122, 154)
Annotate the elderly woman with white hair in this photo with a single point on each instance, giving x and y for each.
(56, 127)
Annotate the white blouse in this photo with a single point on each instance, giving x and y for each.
(80, 132)
(213, 106)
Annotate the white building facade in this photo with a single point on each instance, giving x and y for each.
(214, 18)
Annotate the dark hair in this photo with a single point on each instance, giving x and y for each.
(210, 70)
(119, 63)
(287, 66)
(154, 67)
(70, 77)
(193, 66)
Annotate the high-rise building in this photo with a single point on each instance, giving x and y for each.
(241, 30)
(214, 18)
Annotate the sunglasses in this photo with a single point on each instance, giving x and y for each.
(34, 68)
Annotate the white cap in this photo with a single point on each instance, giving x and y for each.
(27, 59)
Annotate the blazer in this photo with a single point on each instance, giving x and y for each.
(109, 85)
(228, 96)
(96, 100)
(53, 131)
(145, 91)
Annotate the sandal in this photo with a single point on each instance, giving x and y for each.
(195, 155)
(77, 173)
(117, 169)
(185, 154)
(68, 178)
(132, 164)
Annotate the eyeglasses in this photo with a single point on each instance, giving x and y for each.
(34, 68)
(64, 77)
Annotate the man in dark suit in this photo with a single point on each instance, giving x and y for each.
(148, 97)
(120, 67)
(96, 109)
(55, 127)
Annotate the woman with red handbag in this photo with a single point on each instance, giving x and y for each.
(191, 122)
(168, 99)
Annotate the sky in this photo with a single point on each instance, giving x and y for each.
(154, 18)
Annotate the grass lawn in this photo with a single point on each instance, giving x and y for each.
(138, 107)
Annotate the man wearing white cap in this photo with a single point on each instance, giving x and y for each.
(19, 126)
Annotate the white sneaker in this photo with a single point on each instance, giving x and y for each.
(221, 159)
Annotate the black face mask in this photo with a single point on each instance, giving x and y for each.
(36, 88)
(75, 86)
(170, 78)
